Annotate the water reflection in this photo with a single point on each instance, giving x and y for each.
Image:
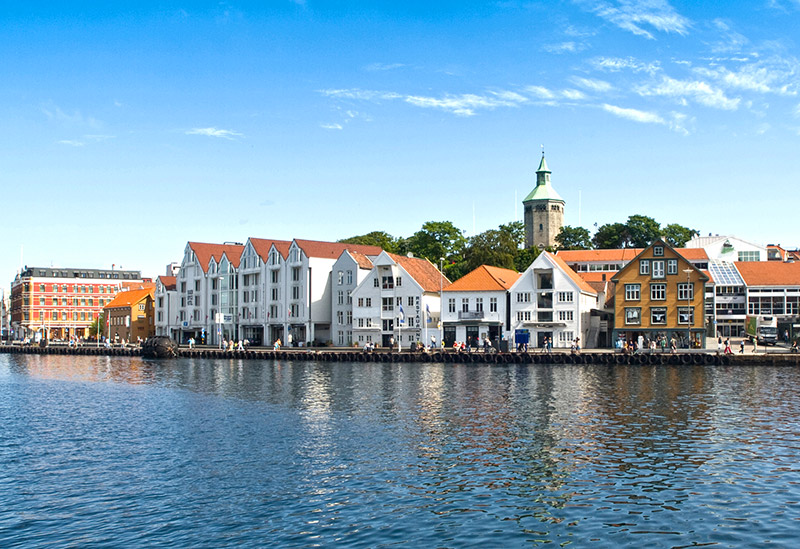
(304, 453)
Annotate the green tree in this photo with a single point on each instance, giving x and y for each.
(611, 236)
(525, 257)
(642, 230)
(515, 230)
(98, 323)
(493, 247)
(573, 238)
(677, 235)
(375, 238)
(437, 239)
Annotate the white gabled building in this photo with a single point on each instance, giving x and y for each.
(348, 272)
(476, 306)
(166, 305)
(398, 301)
(728, 248)
(551, 300)
(257, 277)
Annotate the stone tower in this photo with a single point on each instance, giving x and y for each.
(544, 211)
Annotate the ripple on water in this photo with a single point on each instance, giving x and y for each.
(119, 451)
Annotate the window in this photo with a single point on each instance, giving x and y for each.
(750, 256)
(295, 274)
(479, 304)
(388, 324)
(464, 304)
(565, 338)
(376, 282)
(368, 302)
(658, 315)
(565, 297)
(274, 276)
(349, 277)
(349, 317)
(644, 266)
(451, 304)
(633, 315)
(387, 303)
(340, 297)
(360, 302)
(492, 304)
(672, 266)
(658, 268)
(658, 292)
(632, 292)
(399, 281)
(274, 295)
(565, 316)
(686, 315)
(523, 316)
(340, 277)
(360, 322)
(411, 301)
(523, 297)
(340, 317)
(685, 291)
(387, 282)
(294, 310)
(658, 251)
(544, 316)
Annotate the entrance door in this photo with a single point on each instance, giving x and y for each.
(472, 336)
(449, 335)
(540, 338)
(386, 340)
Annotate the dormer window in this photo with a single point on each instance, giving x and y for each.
(658, 251)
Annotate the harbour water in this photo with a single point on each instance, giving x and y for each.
(119, 451)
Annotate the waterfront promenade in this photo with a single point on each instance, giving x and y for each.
(775, 356)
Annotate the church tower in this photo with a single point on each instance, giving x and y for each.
(544, 211)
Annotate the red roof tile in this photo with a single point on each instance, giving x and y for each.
(423, 271)
(621, 254)
(363, 261)
(204, 251)
(169, 282)
(769, 273)
(263, 245)
(332, 250)
(129, 297)
(485, 278)
(572, 274)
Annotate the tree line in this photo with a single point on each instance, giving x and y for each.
(442, 242)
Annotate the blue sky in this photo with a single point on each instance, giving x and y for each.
(129, 130)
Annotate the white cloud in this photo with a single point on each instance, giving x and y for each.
(592, 84)
(616, 64)
(634, 114)
(540, 92)
(384, 66)
(331, 126)
(362, 95)
(634, 15)
(700, 92)
(574, 95)
(775, 76)
(214, 132)
(76, 118)
(565, 47)
(729, 40)
(71, 142)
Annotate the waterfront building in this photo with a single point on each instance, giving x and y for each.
(398, 301)
(166, 304)
(130, 316)
(59, 303)
(348, 272)
(543, 211)
(660, 293)
(728, 248)
(477, 306)
(255, 287)
(773, 288)
(550, 300)
(207, 275)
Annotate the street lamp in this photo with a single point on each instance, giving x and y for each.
(688, 308)
(441, 301)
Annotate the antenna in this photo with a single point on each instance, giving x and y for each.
(579, 207)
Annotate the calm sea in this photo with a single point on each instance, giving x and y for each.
(123, 452)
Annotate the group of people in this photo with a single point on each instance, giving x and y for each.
(467, 346)
(641, 343)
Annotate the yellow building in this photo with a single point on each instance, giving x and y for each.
(131, 315)
(659, 294)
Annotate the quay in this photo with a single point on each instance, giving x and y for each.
(609, 357)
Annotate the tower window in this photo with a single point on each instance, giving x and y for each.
(540, 227)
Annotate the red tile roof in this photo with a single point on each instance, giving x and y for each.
(769, 273)
(137, 285)
(363, 261)
(423, 271)
(485, 278)
(621, 254)
(129, 298)
(169, 282)
(204, 251)
(332, 250)
(572, 274)
(263, 245)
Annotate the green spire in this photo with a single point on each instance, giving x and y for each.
(543, 189)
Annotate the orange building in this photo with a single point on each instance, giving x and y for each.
(131, 315)
(660, 294)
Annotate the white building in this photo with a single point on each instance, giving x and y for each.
(256, 280)
(728, 248)
(398, 301)
(551, 300)
(476, 306)
(348, 272)
(166, 306)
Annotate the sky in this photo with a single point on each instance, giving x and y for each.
(129, 129)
